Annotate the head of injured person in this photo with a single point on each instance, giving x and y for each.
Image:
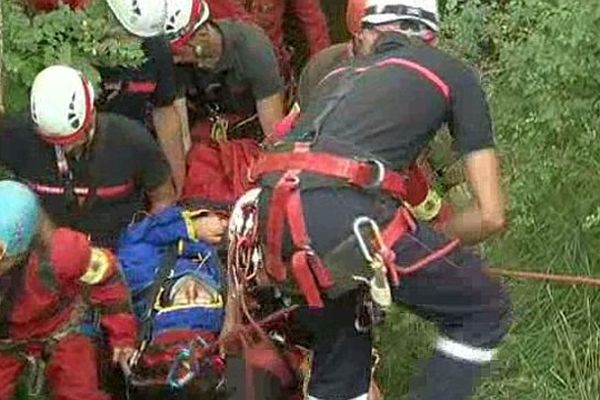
(209, 219)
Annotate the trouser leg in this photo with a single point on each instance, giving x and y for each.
(72, 370)
(470, 309)
(341, 367)
(10, 369)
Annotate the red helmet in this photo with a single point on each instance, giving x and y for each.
(355, 12)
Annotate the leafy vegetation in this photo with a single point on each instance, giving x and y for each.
(83, 39)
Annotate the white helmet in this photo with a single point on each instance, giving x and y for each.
(143, 18)
(386, 11)
(62, 104)
(184, 17)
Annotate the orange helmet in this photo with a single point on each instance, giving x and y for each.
(355, 12)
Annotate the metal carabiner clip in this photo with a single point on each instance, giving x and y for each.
(362, 243)
(185, 355)
(378, 284)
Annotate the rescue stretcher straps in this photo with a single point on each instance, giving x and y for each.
(235, 334)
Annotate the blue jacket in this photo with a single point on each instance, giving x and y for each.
(141, 251)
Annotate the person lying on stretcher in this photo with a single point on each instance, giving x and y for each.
(171, 266)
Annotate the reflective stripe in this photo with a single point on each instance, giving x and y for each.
(464, 352)
(361, 397)
(106, 191)
(140, 87)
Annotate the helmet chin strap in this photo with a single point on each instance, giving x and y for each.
(426, 35)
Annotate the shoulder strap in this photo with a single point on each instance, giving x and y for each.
(150, 295)
(341, 91)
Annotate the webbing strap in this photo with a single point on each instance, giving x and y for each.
(393, 232)
(286, 205)
(365, 174)
(151, 293)
(276, 225)
(397, 227)
(308, 269)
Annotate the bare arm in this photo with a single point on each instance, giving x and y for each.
(270, 111)
(169, 132)
(162, 197)
(181, 107)
(487, 215)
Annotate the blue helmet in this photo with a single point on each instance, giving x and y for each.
(19, 217)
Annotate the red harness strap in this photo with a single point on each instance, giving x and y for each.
(305, 263)
(398, 227)
(307, 267)
(286, 206)
(365, 174)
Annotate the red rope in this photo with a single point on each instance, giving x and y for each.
(554, 278)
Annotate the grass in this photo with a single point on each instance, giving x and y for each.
(553, 349)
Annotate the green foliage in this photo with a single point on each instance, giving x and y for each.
(539, 62)
(83, 39)
(545, 103)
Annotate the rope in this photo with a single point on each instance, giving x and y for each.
(552, 278)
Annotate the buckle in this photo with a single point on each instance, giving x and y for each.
(379, 171)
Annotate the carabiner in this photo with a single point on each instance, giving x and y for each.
(364, 248)
(172, 378)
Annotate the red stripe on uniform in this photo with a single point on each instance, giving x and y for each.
(423, 71)
(105, 191)
(140, 87)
